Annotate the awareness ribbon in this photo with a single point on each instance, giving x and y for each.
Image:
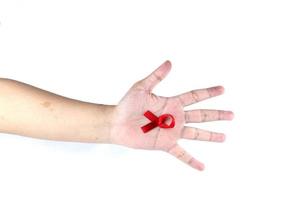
(157, 121)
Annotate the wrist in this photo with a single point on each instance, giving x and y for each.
(104, 123)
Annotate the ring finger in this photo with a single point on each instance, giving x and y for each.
(192, 133)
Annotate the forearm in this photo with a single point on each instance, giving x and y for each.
(32, 112)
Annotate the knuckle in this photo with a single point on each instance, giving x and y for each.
(194, 95)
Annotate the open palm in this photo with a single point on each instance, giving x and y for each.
(129, 118)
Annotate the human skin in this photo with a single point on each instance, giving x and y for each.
(33, 112)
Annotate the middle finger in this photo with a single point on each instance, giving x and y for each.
(201, 115)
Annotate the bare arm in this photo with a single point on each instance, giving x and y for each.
(30, 111)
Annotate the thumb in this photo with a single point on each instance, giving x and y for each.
(156, 76)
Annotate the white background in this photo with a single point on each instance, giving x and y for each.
(94, 51)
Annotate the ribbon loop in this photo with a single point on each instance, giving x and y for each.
(157, 121)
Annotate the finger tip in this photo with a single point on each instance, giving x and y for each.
(220, 89)
(168, 62)
(167, 65)
(231, 115)
(201, 167)
(197, 165)
(222, 138)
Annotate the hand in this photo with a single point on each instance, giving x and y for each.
(129, 118)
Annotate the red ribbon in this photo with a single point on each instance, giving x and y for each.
(157, 121)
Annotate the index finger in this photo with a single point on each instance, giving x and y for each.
(195, 96)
